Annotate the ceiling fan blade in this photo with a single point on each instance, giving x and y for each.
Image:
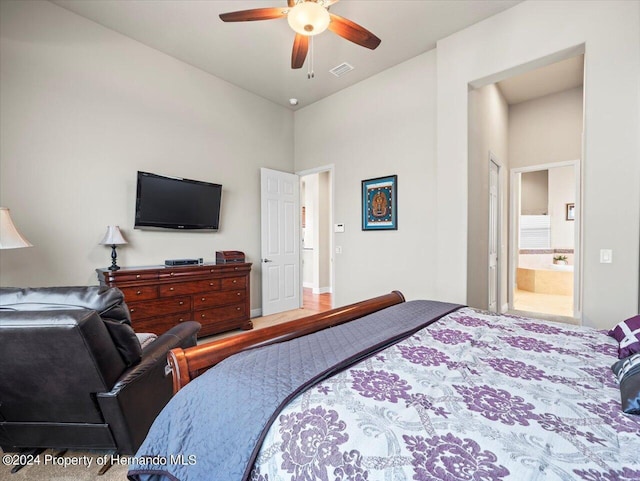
(291, 3)
(328, 3)
(353, 32)
(254, 14)
(299, 53)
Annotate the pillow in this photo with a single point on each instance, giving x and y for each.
(627, 333)
(628, 374)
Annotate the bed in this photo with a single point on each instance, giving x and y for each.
(394, 390)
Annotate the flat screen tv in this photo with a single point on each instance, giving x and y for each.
(176, 203)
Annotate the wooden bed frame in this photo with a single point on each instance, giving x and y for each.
(187, 364)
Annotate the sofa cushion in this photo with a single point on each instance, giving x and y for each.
(106, 301)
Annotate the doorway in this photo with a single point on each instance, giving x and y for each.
(545, 228)
(316, 200)
(524, 121)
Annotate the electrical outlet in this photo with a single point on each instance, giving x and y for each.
(338, 249)
(606, 256)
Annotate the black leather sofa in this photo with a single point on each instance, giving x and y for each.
(73, 374)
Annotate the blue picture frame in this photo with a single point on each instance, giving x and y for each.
(380, 203)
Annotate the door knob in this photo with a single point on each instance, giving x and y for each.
(266, 260)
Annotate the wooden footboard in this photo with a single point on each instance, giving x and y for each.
(187, 364)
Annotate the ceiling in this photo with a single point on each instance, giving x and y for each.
(257, 55)
(553, 78)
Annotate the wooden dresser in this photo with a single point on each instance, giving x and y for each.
(216, 296)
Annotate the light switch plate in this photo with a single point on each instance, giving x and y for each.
(338, 228)
(606, 256)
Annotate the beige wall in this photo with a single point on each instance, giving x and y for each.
(562, 191)
(534, 192)
(539, 33)
(82, 109)
(547, 129)
(488, 128)
(382, 126)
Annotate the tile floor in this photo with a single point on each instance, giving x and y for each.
(551, 306)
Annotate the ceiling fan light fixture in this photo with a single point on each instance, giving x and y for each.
(308, 18)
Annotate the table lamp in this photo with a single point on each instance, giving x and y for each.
(113, 238)
(10, 237)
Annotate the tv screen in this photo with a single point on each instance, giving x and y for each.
(175, 203)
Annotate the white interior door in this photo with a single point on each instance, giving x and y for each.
(494, 234)
(280, 218)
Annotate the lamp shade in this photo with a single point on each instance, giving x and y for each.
(113, 237)
(308, 18)
(10, 237)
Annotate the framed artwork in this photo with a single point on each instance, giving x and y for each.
(571, 212)
(380, 203)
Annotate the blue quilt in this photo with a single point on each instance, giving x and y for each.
(213, 428)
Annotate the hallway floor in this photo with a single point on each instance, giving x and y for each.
(316, 302)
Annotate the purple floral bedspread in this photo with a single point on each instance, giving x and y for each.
(474, 397)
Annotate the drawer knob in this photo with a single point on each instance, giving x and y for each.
(211, 284)
(132, 310)
(203, 299)
(138, 276)
(235, 268)
(238, 293)
(171, 273)
(180, 320)
(172, 289)
(237, 308)
(211, 270)
(203, 316)
(235, 281)
(181, 302)
(138, 292)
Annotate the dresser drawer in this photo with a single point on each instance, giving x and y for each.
(221, 298)
(209, 316)
(142, 293)
(118, 277)
(223, 319)
(158, 325)
(160, 307)
(234, 283)
(228, 268)
(182, 288)
(182, 272)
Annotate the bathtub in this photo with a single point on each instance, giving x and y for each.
(561, 267)
(558, 279)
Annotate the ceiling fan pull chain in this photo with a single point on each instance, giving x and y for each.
(310, 73)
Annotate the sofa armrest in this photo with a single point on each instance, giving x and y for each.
(182, 335)
(144, 389)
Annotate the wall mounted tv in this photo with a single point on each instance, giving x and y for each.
(175, 203)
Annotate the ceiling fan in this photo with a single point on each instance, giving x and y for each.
(308, 18)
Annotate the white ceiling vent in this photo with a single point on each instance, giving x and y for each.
(342, 69)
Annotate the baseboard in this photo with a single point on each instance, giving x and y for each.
(256, 312)
(321, 290)
(505, 308)
(308, 285)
